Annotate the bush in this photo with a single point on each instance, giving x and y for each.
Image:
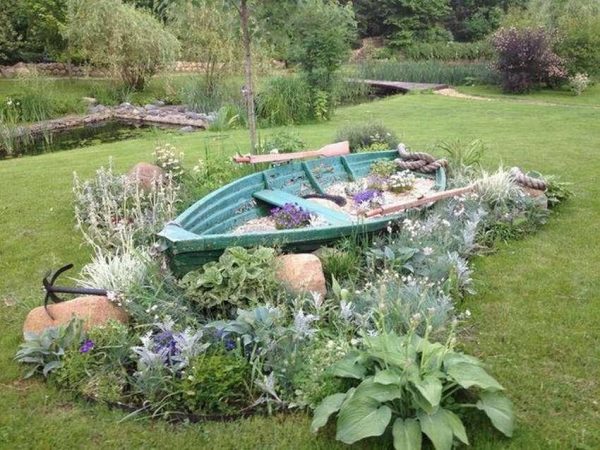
(240, 278)
(364, 136)
(322, 32)
(284, 101)
(203, 97)
(448, 51)
(526, 59)
(217, 383)
(578, 83)
(282, 142)
(400, 381)
(128, 41)
(580, 44)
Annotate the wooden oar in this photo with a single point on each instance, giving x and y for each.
(419, 202)
(337, 149)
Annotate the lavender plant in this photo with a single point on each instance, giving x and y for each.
(290, 216)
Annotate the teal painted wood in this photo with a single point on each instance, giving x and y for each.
(204, 230)
(280, 198)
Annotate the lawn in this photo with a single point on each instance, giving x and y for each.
(535, 317)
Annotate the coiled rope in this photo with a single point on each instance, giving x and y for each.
(418, 161)
(525, 180)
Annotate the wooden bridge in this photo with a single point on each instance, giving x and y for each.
(400, 86)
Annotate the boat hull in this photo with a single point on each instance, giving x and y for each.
(204, 231)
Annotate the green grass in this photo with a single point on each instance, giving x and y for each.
(535, 318)
(562, 96)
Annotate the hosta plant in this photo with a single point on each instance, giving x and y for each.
(238, 279)
(411, 387)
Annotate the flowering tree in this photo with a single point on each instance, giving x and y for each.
(526, 59)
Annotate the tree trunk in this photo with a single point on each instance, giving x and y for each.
(249, 88)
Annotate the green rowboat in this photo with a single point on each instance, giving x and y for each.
(208, 227)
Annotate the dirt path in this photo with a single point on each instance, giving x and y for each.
(450, 92)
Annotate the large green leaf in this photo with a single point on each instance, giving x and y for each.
(437, 429)
(362, 417)
(328, 406)
(430, 388)
(468, 375)
(388, 376)
(349, 367)
(500, 411)
(458, 429)
(380, 392)
(407, 434)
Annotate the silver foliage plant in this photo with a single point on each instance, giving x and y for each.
(113, 210)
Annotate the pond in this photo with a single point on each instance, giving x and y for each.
(82, 136)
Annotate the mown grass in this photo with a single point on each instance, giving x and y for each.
(563, 95)
(535, 317)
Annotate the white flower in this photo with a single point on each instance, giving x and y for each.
(302, 324)
(317, 298)
(346, 310)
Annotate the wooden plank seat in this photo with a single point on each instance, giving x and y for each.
(280, 198)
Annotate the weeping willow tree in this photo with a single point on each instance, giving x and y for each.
(130, 42)
(208, 32)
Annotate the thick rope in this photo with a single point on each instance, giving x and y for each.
(525, 180)
(418, 161)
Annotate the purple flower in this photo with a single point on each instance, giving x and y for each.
(366, 196)
(290, 216)
(166, 340)
(86, 346)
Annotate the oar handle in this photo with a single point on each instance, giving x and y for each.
(418, 202)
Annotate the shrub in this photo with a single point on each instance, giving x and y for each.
(217, 383)
(282, 142)
(363, 136)
(322, 32)
(580, 43)
(128, 41)
(416, 387)
(239, 278)
(202, 97)
(284, 101)
(290, 216)
(526, 59)
(578, 83)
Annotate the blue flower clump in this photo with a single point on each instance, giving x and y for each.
(366, 196)
(290, 216)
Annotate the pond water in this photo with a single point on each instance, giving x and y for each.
(84, 136)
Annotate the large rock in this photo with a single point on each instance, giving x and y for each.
(302, 273)
(146, 174)
(539, 197)
(93, 310)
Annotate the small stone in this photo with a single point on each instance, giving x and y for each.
(90, 101)
(150, 107)
(187, 129)
(146, 174)
(301, 273)
(194, 116)
(126, 105)
(159, 103)
(93, 310)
